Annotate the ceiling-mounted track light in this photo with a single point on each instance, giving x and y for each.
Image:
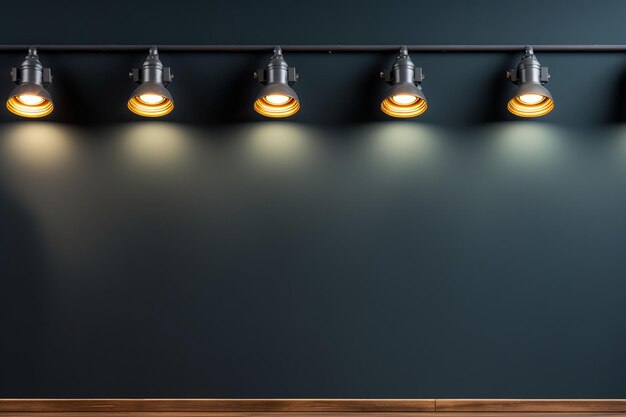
(30, 98)
(151, 98)
(277, 98)
(405, 99)
(531, 98)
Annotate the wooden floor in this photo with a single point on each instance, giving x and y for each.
(311, 407)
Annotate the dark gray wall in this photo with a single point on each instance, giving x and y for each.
(338, 254)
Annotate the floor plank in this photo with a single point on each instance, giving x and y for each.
(547, 405)
(219, 405)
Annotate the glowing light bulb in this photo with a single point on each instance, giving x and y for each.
(277, 99)
(151, 98)
(404, 99)
(530, 98)
(30, 100)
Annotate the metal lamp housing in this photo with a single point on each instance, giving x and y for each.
(277, 99)
(31, 98)
(151, 98)
(530, 98)
(405, 99)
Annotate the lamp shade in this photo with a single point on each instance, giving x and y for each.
(151, 99)
(30, 100)
(277, 100)
(404, 100)
(531, 100)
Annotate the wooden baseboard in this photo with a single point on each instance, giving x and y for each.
(531, 405)
(217, 405)
(311, 407)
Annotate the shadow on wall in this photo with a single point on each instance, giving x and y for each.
(41, 168)
(22, 299)
(363, 102)
(618, 115)
(497, 91)
(224, 98)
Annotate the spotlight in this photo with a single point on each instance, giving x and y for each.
(151, 98)
(405, 99)
(30, 98)
(277, 98)
(531, 98)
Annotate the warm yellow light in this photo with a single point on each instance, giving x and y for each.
(30, 100)
(150, 105)
(530, 105)
(151, 98)
(530, 98)
(276, 106)
(277, 99)
(403, 106)
(30, 106)
(404, 99)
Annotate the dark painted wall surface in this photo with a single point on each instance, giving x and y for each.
(339, 254)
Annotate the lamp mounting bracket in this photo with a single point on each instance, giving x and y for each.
(544, 75)
(135, 75)
(261, 75)
(418, 75)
